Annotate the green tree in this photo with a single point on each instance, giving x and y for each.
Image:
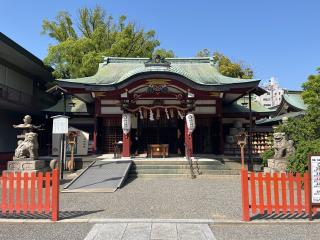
(305, 131)
(164, 53)
(204, 53)
(80, 49)
(227, 67)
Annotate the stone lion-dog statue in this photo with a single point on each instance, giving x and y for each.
(282, 146)
(29, 147)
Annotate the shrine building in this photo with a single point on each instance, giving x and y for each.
(172, 102)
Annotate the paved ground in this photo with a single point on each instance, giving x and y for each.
(212, 198)
(78, 231)
(150, 231)
(263, 232)
(40, 231)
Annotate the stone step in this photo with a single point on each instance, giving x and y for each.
(173, 162)
(185, 175)
(142, 167)
(131, 175)
(183, 171)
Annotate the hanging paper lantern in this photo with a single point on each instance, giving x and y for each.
(191, 122)
(126, 123)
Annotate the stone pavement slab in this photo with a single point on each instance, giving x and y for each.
(150, 231)
(164, 231)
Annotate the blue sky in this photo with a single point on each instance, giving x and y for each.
(278, 38)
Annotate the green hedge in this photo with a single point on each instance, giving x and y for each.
(299, 161)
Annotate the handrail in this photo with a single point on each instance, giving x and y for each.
(189, 159)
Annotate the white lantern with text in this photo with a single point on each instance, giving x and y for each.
(126, 123)
(191, 123)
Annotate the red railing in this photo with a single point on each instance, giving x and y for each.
(30, 193)
(274, 193)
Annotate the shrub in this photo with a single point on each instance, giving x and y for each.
(267, 155)
(299, 161)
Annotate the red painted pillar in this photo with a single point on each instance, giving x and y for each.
(126, 145)
(97, 109)
(188, 139)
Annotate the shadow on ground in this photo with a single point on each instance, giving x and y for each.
(284, 216)
(62, 215)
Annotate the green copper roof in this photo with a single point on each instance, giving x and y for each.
(294, 99)
(73, 105)
(115, 70)
(242, 106)
(279, 118)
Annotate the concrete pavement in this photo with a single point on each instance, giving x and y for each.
(150, 231)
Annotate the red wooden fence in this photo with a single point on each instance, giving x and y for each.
(274, 193)
(30, 193)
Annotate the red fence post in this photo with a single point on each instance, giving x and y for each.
(284, 192)
(298, 181)
(55, 195)
(253, 193)
(39, 186)
(18, 193)
(245, 195)
(291, 193)
(47, 192)
(33, 193)
(261, 200)
(306, 193)
(276, 192)
(11, 192)
(25, 192)
(268, 185)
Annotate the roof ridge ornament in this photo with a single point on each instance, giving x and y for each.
(157, 60)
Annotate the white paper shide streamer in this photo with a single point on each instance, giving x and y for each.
(191, 122)
(167, 113)
(126, 123)
(180, 114)
(140, 112)
(151, 115)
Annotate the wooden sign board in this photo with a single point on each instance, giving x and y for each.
(60, 125)
(314, 174)
(314, 169)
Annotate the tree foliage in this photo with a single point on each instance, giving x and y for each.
(305, 131)
(80, 47)
(227, 67)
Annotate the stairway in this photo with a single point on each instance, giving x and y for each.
(157, 168)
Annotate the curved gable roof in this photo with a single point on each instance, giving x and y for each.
(116, 70)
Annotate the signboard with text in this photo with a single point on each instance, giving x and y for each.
(314, 169)
(60, 125)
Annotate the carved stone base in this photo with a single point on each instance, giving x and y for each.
(25, 165)
(276, 165)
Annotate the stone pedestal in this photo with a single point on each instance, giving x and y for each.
(25, 166)
(28, 166)
(276, 165)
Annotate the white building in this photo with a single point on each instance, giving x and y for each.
(273, 96)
